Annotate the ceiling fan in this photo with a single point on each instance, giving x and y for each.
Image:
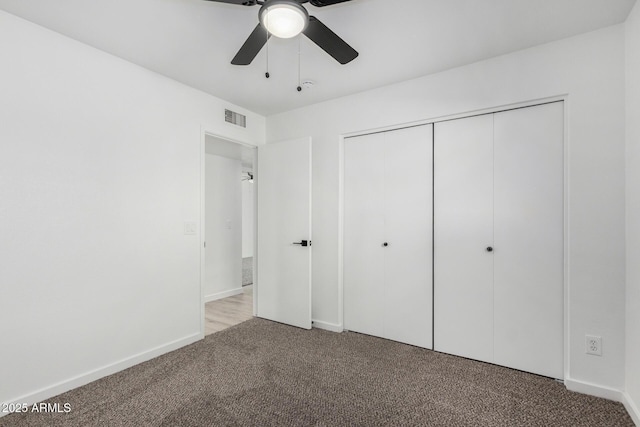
(286, 19)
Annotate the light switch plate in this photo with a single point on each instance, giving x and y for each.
(190, 228)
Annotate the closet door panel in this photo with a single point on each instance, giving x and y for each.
(529, 239)
(463, 230)
(408, 231)
(363, 274)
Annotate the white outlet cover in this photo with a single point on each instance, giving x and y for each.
(593, 345)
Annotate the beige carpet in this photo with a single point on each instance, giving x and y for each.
(261, 373)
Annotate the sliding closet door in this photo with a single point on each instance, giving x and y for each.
(408, 231)
(363, 272)
(463, 225)
(528, 211)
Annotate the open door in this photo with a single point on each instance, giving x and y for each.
(283, 289)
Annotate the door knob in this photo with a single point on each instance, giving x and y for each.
(385, 244)
(303, 243)
(489, 249)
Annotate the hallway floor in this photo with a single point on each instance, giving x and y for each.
(226, 312)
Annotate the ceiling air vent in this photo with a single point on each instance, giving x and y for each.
(235, 118)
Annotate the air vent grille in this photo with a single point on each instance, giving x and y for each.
(235, 118)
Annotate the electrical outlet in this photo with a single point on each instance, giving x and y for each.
(593, 345)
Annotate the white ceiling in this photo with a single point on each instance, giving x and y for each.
(193, 41)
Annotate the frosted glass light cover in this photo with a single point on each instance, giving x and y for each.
(284, 20)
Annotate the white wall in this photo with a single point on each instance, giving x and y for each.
(99, 169)
(590, 69)
(247, 219)
(223, 227)
(633, 209)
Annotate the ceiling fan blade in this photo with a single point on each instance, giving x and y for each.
(238, 2)
(251, 46)
(329, 41)
(322, 3)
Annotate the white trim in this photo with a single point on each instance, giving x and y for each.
(310, 139)
(203, 145)
(223, 294)
(341, 232)
(332, 327)
(96, 374)
(593, 389)
(566, 230)
(207, 129)
(470, 113)
(631, 407)
(606, 393)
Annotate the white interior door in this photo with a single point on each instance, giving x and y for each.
(283, 289)
(463, 230)
(528, 211)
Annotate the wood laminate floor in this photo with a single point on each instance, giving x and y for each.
(226, 312)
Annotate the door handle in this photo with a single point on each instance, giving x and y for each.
(303, 243)
(489, 249)
(385, 244)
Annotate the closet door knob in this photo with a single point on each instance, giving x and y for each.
(489, 249)
(385, 244)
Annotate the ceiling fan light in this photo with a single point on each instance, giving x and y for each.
(284, 19)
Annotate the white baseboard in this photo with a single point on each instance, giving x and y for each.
(326, 326)
(631, 408)
(606, 393)
(593, 389)
(83, 379)
(223, 294)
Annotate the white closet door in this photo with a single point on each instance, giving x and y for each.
(387, 288)
(463, 224)
(528, 210)
(363, 272)
(408, 231)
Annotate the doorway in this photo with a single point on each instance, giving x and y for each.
(228, 219)
(248, 211)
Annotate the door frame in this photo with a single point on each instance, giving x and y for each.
(204, 132)
(434, 120)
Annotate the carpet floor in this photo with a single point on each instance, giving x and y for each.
(261, 373)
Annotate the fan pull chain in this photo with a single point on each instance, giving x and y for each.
(266, 74)
(299, 84)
